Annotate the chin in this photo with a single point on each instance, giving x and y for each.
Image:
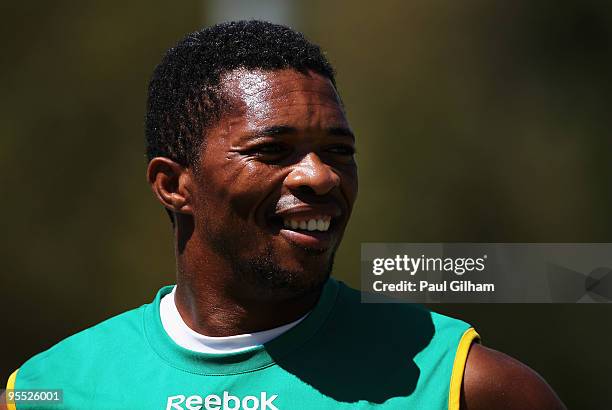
(270, 277)
(298, 286)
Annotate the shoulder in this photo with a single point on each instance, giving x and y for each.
(117, 330)
(389, 314)
(434, 340)
(80, 352)
(495, 380)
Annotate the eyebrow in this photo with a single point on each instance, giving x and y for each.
(279, 130)
(342, 132)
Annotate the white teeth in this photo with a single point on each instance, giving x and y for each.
(321, 225)
(309, 225)
(312, 225)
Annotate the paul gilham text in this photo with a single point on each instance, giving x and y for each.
(425, 286)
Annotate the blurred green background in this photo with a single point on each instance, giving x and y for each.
(477, 121)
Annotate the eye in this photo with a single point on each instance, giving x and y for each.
(342, 150)
(270, 151)
(271, 148)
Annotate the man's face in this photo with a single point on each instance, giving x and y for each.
(276, 179)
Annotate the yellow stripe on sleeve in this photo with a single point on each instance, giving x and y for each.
(10, 385)
(454, 394)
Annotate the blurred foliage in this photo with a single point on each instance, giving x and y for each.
(477, 121)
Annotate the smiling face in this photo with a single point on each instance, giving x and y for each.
(276, 179)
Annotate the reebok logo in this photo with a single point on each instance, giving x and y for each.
(227, 402)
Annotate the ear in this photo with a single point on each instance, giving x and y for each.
(171, 183)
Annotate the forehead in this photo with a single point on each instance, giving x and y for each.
(255, 96)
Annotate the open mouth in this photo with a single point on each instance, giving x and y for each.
(306, 231)
(320, 224)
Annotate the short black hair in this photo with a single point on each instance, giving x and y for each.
(183, 96)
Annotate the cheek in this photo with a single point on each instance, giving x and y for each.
(241, 188)
(246, 190)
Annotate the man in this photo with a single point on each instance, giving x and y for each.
(251, 154)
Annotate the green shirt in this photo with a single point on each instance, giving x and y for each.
(343, 355)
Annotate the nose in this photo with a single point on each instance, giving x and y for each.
(312, 174)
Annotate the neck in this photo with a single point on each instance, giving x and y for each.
(213, 301)
(215, 312)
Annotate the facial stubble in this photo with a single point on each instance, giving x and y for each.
(264, 274)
